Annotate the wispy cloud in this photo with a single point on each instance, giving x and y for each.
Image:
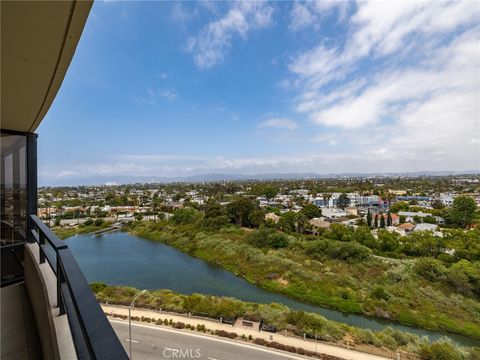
(169, 94)
(407, 75)
(215, 39)
(181, 15)
(278, 123)
(153, 96)
(306, 14)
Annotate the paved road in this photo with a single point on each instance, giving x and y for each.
(149, 342)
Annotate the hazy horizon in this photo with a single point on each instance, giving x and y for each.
(214, 177)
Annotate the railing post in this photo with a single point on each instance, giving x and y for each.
(41, 236)
(60, 280)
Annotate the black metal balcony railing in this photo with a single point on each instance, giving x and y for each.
(92, 334)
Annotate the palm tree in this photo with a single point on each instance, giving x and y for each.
(302, 222)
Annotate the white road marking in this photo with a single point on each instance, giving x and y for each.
(133, 341)
(210, 358)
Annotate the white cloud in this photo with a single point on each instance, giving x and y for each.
(214, 40)
(278, 123)
(180, 15)
(306, 14)
(407, 76)
(152, 96)
(169, 94)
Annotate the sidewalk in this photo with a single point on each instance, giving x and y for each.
(242, 330)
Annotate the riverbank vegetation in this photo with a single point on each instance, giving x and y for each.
(87, 227)
(336, 269)
(284, 319)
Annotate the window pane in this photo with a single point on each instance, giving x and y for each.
(13, 189)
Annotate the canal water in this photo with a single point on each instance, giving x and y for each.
(122, 259)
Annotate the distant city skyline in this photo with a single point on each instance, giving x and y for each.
(177, 89)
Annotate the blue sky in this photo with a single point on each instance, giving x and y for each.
(185, 88)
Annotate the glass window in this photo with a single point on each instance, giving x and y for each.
(13, 189)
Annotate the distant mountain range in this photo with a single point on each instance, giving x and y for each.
(214, 177)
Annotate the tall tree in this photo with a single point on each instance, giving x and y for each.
(369, 218)
(389, 219)
(311, 211)
(343, 201)
(239, 210)
(382, 221)
(463, 210)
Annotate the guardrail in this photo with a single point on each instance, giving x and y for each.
(92, 334)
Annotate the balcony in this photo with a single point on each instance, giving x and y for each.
(48, 310)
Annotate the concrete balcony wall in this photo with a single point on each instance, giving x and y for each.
(53, 329)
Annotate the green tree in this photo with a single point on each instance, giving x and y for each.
(463, 210)
(239, 210)
(437, 204)
(302, 222)
(270, 191)
(186, 216)
(311, 211)
(399, 206)
(388, 241)
(369, 218)
(389, 219)
(382, 221)
(343, 201)
(288, 222)
(256, 218)
(213, 209)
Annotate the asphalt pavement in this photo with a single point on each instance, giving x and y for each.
(153, 342)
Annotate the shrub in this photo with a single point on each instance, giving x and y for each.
(266, 237)
(430, 269)
(351, 251)
(291, 349)
(259, 341)
(380, 293)
(226, 334)
(215, 223)
(88, 222)
(186, 216)
(97, 286)
(440, 350)
(179, 325)
(98, 222)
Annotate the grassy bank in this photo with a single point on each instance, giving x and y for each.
(368, 286)
(283, 318)
(66, 232)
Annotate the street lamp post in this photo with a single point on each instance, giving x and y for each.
(130, 321)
